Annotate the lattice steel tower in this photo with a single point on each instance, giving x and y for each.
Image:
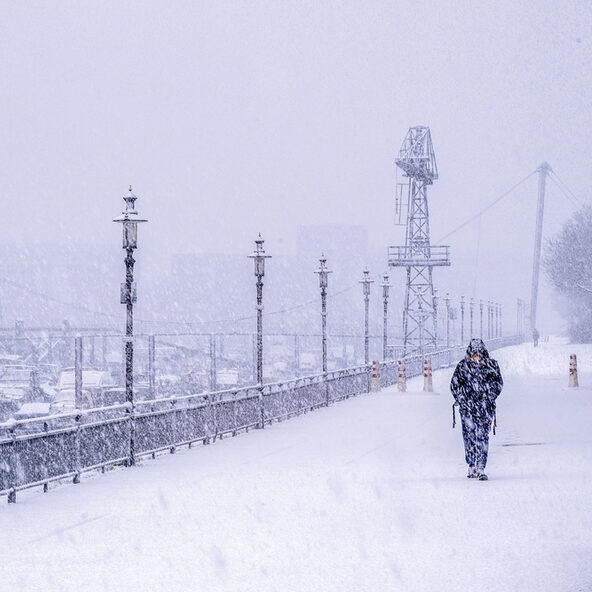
(418, 163)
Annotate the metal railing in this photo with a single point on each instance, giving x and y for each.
(34, 452)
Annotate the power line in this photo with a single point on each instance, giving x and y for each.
(251, 317)
(44, 296)
(486, 208)
(567, 192)
(187, 324)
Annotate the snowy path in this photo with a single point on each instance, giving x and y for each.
(370, 494)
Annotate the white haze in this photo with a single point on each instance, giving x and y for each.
(231, 119)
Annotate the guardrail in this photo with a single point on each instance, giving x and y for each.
(34, 452)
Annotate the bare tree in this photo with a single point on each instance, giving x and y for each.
(568, 264)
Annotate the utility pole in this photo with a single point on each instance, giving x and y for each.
(543, 171)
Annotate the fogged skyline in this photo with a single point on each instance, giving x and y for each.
(231, 119)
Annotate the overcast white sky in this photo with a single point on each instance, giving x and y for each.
(231, 118)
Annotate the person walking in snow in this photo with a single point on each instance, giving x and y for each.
(475, 385)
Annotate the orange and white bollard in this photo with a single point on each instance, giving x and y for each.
(573, 371)
(427, 376)
(401, 377)
(375, 383)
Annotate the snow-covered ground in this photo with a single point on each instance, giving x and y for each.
(369, 494)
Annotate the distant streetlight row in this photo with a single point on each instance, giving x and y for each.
(130, 219)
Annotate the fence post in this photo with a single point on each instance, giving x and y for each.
(375, 382)
(91, 352)
(234, 418)
(427, 376)
(261, 407)
(296, 354)
(401, 376)
(104, 352)
(77, 462)
(151, 367)
(212, 362)
(12, 469)
(78, 372)
(173, 448)
(573, 371)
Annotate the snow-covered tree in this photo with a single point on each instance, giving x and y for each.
(568, 263)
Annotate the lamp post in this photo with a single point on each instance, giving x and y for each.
(481, 319)
(495, 319)
(366, 281)
(385, 296)
(129, 220)
(462, 320)
(500, 321)
(422, 318)
(259, 258)
(435, 301)
(471, 310)
(323, 283)
(447, 301)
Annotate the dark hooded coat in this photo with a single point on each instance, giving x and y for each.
(476, 386)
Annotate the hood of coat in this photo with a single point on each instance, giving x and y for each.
(476, 346)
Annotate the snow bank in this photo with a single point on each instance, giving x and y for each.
(546, 359)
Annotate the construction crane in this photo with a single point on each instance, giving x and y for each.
(418, 163)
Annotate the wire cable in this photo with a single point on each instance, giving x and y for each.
(567, 192)
(486, 208)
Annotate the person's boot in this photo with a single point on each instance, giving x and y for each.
(481, 475)
(472, 474)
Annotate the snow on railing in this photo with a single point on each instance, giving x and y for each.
(35, 452)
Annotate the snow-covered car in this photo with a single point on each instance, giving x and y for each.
(19, 383)
(227, 379)
(96, 385)
(307, 363)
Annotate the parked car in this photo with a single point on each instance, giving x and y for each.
(19, 384)
(308, 363)
(227, 379)
(96, 389)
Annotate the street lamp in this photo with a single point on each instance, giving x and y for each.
(366, 281)
(462, 320)
(323, 283)
(385, 296)
(435, 301)
(471, 310)
(129, 220)
(447, 301)
(259, 258)
(481, 319)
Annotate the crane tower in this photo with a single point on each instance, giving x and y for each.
(418, 163)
